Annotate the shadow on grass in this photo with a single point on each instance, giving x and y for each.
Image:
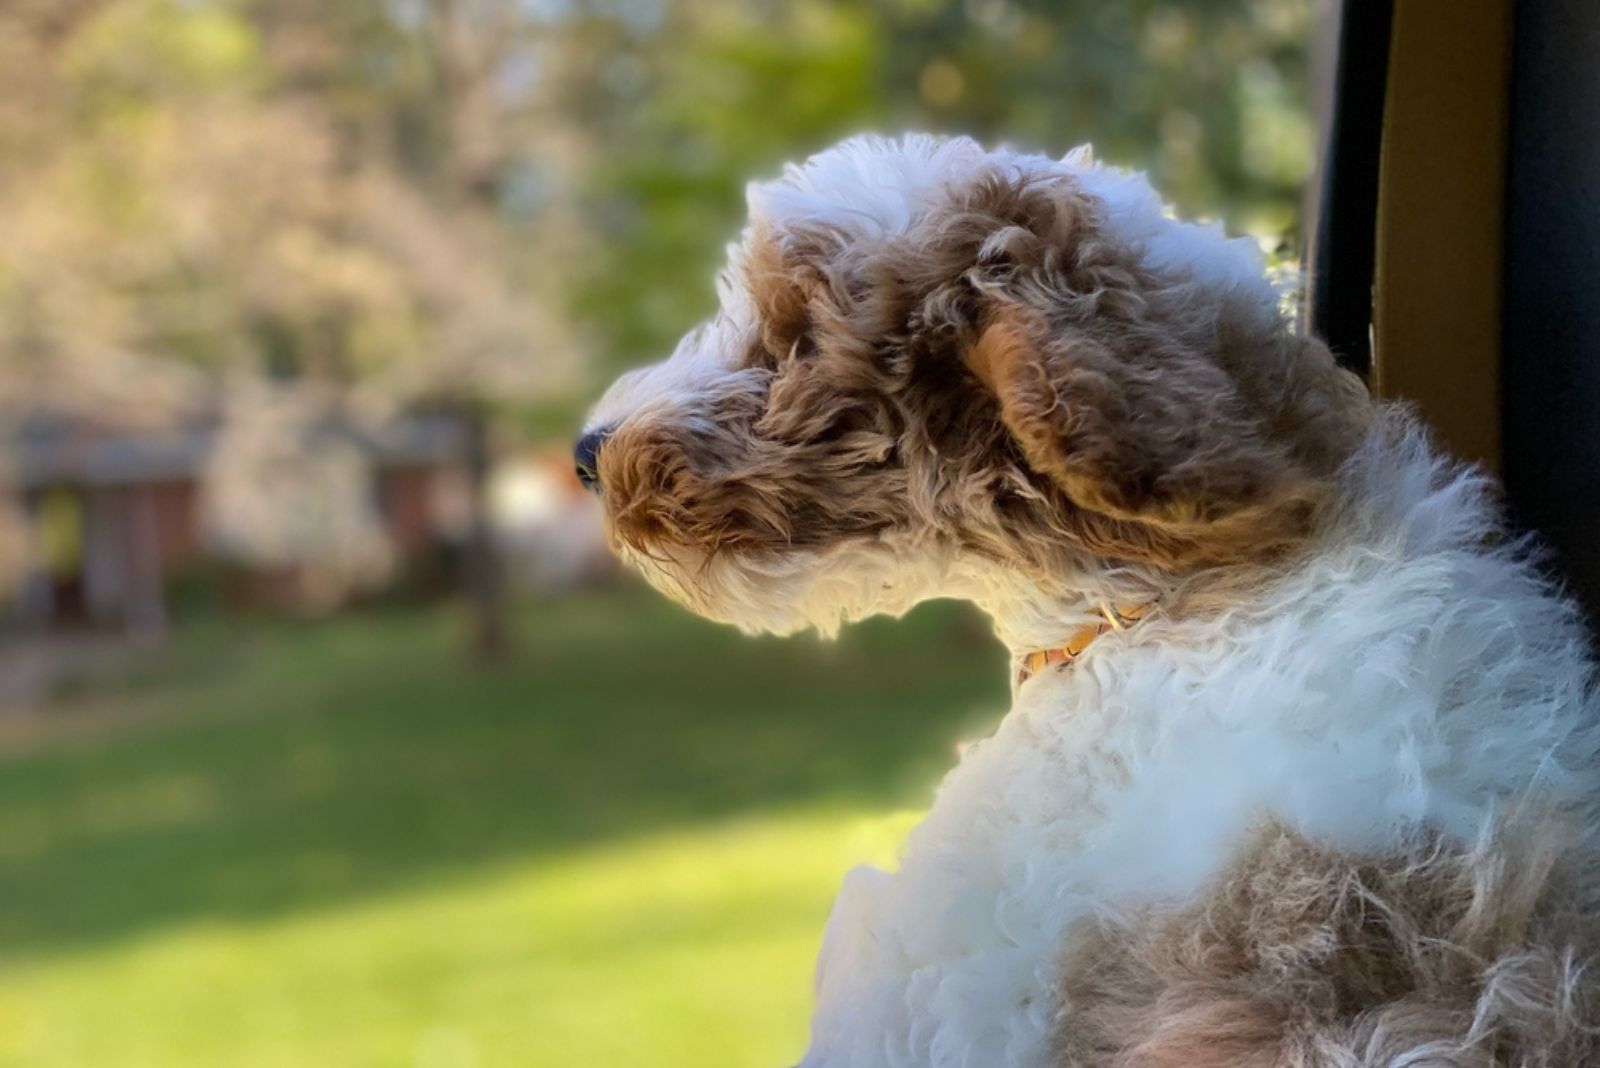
(293, 766)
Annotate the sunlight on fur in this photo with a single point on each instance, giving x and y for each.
(1331, 801)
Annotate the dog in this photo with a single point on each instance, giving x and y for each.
(1301, 767)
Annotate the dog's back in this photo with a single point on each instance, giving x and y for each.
(1433, 952)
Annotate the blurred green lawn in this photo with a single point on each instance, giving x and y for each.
(338, 844)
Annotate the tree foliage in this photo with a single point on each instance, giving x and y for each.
(425, 198)
(279, 191)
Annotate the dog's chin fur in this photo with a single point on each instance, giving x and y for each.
(769, 593)
(825, 589)
(1332, 803)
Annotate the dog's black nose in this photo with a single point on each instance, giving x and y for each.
(587, 453)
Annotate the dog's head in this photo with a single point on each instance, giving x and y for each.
(938, 370)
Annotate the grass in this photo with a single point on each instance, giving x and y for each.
(337, 844)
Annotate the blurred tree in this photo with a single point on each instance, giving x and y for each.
(297, 193)
(290, 190)
(404, 196)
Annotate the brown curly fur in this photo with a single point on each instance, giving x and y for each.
(1007, 378)
(1004, 375)
(1434, 956)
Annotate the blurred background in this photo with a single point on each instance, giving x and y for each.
(329, 734)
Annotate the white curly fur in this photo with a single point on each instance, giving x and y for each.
(1411, 671)
(1406, 676)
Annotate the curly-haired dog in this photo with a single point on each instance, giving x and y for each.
(1301, 768)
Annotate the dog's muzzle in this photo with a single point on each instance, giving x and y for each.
(586, 454)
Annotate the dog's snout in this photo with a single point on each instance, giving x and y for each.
(587, 456)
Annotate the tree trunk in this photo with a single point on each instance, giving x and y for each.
(485, 575)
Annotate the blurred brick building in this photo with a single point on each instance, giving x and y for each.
(113, 516)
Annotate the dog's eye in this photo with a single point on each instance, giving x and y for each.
(759, 356)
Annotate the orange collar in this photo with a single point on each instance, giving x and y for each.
(1112, 617)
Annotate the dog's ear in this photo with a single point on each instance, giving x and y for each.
(1176, 415)
(782, 286)
(1156, 441)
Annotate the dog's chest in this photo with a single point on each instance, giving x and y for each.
(1064, 810)
(1120, 781)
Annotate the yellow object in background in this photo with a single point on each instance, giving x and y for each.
(61, 532)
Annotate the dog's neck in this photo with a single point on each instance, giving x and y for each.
(1032, 616)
